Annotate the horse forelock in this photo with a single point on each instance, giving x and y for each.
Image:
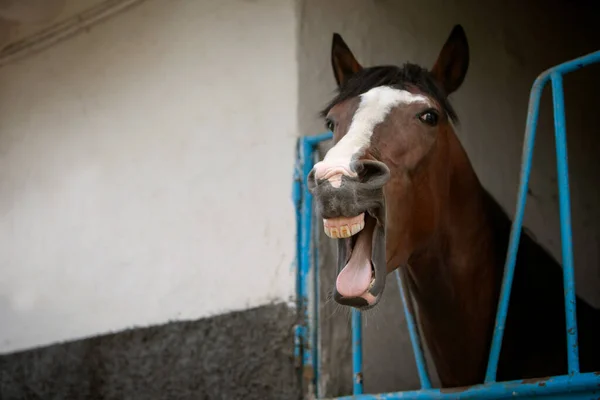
(405, 78)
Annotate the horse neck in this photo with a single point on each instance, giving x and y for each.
(455, 277)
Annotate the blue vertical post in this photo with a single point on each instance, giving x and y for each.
(357, 375)
(305, 255)
(309, 144)
(413, 333)
(315, 308)
(560, 133)
(297, 198)
(306, 333)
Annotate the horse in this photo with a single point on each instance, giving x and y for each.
(397, 190)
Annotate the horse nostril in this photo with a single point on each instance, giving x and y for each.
(375, 174)
(311, 181)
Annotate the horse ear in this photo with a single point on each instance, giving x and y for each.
(453, 61)
(342, 60)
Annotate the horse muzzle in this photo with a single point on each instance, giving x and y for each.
(352, 205)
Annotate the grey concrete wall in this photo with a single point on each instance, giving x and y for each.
(240, 355)
(511, 43)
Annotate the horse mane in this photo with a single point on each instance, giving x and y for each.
(409, 75)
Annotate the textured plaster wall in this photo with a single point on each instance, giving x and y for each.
(145, 171)
(239, 355)
(511, 42)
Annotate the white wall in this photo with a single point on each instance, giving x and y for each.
(145, 171)
(511, 43)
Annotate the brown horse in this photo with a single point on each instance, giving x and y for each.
(397, 190)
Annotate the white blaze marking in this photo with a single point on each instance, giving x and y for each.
(373, 108)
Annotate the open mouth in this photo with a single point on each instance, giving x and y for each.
(361, 252)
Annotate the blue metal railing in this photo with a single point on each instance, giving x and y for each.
(577, 385)
(306, 331)
(415, 339)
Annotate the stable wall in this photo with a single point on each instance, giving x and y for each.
(145, 187)
(146, 171)
(510, 44)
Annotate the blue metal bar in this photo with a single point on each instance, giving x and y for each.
(309, 143)
(316, 139)
(357, 375)
(297, 195)
(574, 64)
(515, 234)
(557, 387)
(414, 334)
(312, 141)
(560, 132)
(316, 285)
(305, 257)
(297, 199)
(306, 333)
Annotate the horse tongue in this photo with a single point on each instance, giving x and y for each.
(354, 279)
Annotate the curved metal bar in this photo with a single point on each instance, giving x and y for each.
(413, 331)
(564, 198)
(565, 222)
(357, 375)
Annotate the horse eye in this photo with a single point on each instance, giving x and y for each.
(429, 117)
(329, 125)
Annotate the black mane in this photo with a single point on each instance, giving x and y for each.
(399, 77)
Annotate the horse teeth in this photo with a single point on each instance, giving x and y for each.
(341, 228)
(357, 227)
(343, 231)
(372, 284)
